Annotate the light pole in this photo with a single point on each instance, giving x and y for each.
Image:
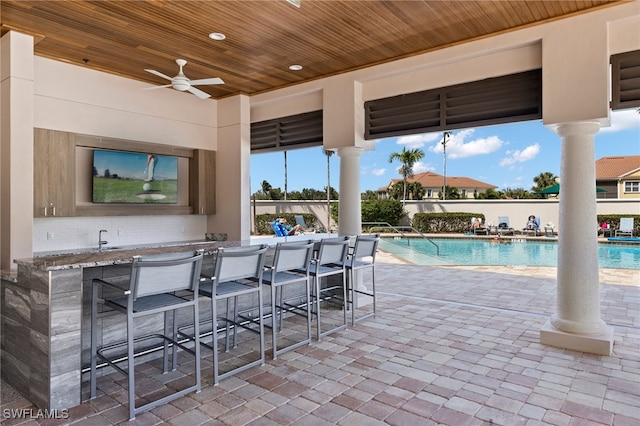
(285, 175)
(444, 167)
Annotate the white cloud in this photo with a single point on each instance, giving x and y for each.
(421, 167)
(459, 147)
(417, 141)
(627, 119)
(378, 172)
(529, 153)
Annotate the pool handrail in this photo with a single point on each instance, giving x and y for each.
(398, 229)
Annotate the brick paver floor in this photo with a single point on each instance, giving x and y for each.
(449, 345)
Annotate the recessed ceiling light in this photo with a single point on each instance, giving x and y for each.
(217, 36)
(295, 67)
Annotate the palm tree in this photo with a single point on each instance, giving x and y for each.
(266, 187)
(408, 158)
(544, 180)
(328, 154)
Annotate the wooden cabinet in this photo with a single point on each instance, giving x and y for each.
(54, 174)
(59, 157)
(203, 182)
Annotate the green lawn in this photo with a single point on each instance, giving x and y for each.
(108, 190)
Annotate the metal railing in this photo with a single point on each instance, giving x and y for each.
(398, 229)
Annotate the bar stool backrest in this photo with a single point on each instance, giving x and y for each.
(333, 250)
(366, 246)
(165, 273)
(291, 256)
(240, 263)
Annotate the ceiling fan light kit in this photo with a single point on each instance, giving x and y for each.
(182, 83)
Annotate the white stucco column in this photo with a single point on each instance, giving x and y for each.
(349, 216)
(577, 324)
(233, 184)
(16, 147)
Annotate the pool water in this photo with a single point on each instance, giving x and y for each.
(519, 252)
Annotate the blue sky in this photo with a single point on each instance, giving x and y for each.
(507, 156)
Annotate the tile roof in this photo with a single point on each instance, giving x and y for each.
(434, 180)
(616, 167)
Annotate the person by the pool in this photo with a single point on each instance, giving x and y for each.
(499, 240)
(531, 222)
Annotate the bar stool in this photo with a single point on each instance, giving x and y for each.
(157, 284)
(238, 272)
(290, 266)
(362, 257)
(330, 261)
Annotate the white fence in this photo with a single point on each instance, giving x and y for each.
(517, 210)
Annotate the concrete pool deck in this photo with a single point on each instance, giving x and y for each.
(449, 345)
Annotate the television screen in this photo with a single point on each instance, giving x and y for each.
(131, 177)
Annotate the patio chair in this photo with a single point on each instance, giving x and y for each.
(503, 226)
(290, 267)
(279, 230)
(300, 221)
(157, 284)
(535, 231)
(480, 230)
(330, 261)
(363, 257)
(238, 272)
(626, 227)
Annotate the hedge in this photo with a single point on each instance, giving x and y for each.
(450, 222)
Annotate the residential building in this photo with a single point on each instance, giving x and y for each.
(619, 176)
(433, 182)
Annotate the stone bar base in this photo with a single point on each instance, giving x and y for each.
(599, 344)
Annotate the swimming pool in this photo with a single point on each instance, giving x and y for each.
(477, 251)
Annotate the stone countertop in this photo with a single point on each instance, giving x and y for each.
(82, 258)
(89, 257)
(10, 275)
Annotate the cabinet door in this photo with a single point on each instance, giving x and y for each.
(54, 174)
(203, 182)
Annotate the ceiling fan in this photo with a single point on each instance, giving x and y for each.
(181, 83)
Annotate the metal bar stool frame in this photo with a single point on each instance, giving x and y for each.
(238, 272)
(366, 247)
(290, 265)
(330, 260)
(153, 287)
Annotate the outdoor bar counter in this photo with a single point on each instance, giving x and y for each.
(45, 310)
(46, 314)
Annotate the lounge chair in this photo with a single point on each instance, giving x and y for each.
(279, 230)
(535, 231)
(480, 230)
(300, 221)
(626, 227)
(503, 226)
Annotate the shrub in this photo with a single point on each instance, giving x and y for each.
(452, 222)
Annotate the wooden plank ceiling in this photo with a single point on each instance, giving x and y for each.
(264, 37)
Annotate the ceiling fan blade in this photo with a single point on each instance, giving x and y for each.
(199, 93)
(216, 80)
(156, 87)
(159, 74)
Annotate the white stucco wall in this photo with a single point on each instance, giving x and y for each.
(74, 99)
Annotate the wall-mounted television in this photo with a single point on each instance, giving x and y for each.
(133, 177)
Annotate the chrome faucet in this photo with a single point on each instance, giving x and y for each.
(100, 241)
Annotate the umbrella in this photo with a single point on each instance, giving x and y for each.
(555, 189)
